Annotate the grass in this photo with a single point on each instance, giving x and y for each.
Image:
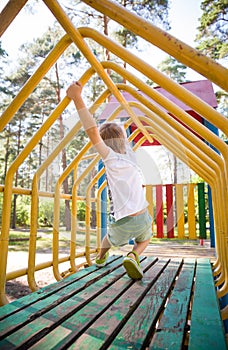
(19, 240)
(185, 241)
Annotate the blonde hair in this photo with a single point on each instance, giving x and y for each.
(113, 136)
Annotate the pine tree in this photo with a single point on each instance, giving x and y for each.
(173, 69)
(212, 38)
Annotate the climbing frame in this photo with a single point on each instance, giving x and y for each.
(184, 136)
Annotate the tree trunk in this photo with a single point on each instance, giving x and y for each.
(64, 161)
(107, 52)
(14, 216)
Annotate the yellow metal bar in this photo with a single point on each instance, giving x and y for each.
(28, 192)
(149, 198)
(224, 313)
(183, 131)
(189, 146)
(175, 89)
(208, 158)
(209, 136)
(34, 204)
(222, 175)
(217, 192)
(81, 44)
(18, 273)
(74, 204)
(74, 221)
(34, 80)
(22, 272)
(198, 168)
(88, 216)
(212, 167)
(56, 217)
(57, 274)
(4, 238)
(191, 212)
(166, 42)
(178, 112)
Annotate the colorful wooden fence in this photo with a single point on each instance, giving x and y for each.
(179, 211)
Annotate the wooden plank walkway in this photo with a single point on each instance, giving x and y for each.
(174, 307)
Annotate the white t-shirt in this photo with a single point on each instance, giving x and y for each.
(125, 182)
(124, 177)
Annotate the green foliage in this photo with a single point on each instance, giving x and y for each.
(81, 207)
(23, 211)
(3, 53)
(174, 69)
(46, 213)
(213, 31)
(222, 98)
(155, 11)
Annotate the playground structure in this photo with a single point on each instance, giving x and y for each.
(184, 136)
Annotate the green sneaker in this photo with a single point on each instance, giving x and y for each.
(103, 261)
(132, 266)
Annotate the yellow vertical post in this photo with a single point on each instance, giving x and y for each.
(191, 212)
(149, 198)
(180, 210)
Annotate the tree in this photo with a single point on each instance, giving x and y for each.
(222, 98)
(213, 30)
(174, 69)
(151, 10)
(213, 39)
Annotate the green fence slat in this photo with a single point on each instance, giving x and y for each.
(202, 210)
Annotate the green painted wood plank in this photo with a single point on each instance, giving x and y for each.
(82, 319)
(135, 332)
(171, 329)
(202, 210)
(206, 331)
(110, 322)
(42, 293)
(51, 319)
(23, 316)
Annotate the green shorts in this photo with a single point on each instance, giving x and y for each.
(137, 227)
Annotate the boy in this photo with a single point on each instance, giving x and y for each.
(128, 206)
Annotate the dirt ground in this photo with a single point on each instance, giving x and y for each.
(18, 287)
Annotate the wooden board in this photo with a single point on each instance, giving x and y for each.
(207, 330)
(173, 324)
(104, 309)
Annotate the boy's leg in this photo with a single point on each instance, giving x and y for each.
(131, 261)
(105, 246)
(139, 247)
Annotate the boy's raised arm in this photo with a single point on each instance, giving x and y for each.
(89, 124)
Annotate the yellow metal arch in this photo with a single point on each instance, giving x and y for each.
(182, 141)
